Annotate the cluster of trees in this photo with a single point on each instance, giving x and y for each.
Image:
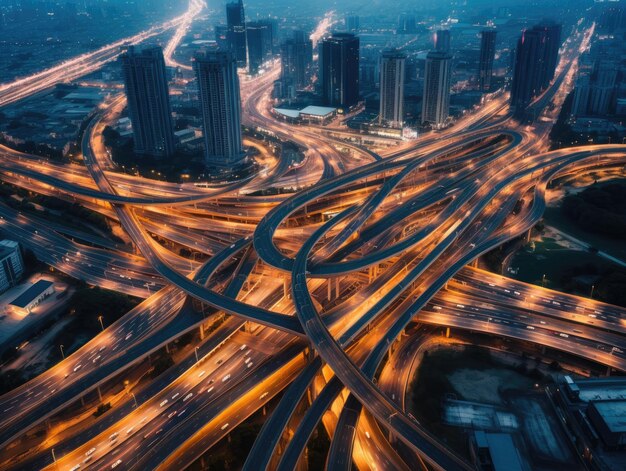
(161, 364)
(87, 305)
(600, 209)
(609, 282)
(31, 147)
(72, 212)
(75, 211)
(169, 169)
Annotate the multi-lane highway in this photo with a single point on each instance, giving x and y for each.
(317, 284)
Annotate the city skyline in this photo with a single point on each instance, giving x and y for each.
(277, 235)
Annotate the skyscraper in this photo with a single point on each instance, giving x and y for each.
(259, 37)
(296, 56)
(392, 88)
(221, 36)
(406, 24)
(352, 23)
(536, 58)
(530, 56)
(145, 83)
(603, 87)
(552, 32)
(236, 24)
(220, 103)
(582, 92)
(442, 40)
(487, 54)
(436, 100)
(339, 70)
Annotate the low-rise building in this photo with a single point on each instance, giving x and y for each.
(609, 420)
(11, 264)
(310, 114)
(31, 298)
(495, 452)
(318, 114)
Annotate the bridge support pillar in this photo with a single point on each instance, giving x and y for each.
(330, 289)
(608, 371)
(201, 328)
(529, 234)
(447, 332)
(308, 354)
(167, 347)
(247, 327)
(336, 287)
(285, 288)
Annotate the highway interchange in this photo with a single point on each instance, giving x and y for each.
(317, 284)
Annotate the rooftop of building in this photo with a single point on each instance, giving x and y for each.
(7, 247)
(601, 389)
(504, 454)
(85, 95)
(613, 414)
(288, 113)
(318, 110)
(31, 293)
(5, 252)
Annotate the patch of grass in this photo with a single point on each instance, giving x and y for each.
(554, 217)
(547, 244)
(554, 264)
